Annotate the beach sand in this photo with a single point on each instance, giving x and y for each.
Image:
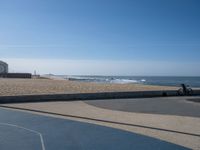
(12, 87)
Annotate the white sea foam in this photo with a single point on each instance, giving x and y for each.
(80, 78)
(123, 81)
(104, 79)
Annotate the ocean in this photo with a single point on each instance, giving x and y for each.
(146, 80)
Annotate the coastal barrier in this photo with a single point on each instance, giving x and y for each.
(15, 75)
(89, 96)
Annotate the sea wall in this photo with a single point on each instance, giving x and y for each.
(15, 75)
(89, 96)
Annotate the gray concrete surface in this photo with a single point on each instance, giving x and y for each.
(89, 96)
(26, 131)
(167, 105)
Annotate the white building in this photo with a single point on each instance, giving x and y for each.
(3, 67)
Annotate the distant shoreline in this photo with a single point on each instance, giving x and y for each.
(173, 81)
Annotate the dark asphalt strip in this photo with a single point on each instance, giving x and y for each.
(178, 106)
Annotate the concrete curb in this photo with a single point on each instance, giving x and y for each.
(88, 96)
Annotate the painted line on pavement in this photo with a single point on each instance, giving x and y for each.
(33, 131)
(101, 120)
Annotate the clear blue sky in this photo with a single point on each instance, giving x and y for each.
(145, 31)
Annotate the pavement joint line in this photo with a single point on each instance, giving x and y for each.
(101, 120)
(30, 130)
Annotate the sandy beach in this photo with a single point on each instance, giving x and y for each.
(12, 87)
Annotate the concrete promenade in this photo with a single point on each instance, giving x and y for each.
(26, 131)
(179, 127)
(178, 106)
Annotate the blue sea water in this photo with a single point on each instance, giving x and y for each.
(147, 80)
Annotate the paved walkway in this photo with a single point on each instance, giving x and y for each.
(179, 106)
(26, 131)
(180, 130)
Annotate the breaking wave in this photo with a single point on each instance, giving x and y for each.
(101, 79)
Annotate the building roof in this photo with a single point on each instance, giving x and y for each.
(2, 62)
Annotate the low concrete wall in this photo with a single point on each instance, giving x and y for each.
(15, 75)
(196, 92)
(88, 96)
